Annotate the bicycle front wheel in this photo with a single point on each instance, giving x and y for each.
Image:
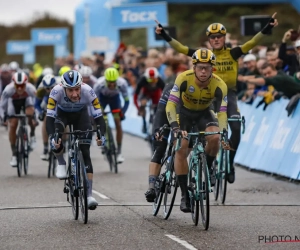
(82, 180)
(25, 152)
(224, 175)
(217, 184)
(19, 148)
(194, 187)
(204, 194)
(159, 190)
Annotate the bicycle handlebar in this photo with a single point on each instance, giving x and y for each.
(77, 132)
(242, 120)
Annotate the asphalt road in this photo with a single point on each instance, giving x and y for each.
(34, 213)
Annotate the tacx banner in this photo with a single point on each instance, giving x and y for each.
(271, 141)
(16, 47)
(49, 36)
(139, 15)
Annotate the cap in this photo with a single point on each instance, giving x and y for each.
(297, 43)
(249, 57)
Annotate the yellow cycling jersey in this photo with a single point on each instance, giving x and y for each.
(41, 92)
(226, 63)
(187, 93)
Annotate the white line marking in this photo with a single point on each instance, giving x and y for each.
(181, 242)
(100, 195)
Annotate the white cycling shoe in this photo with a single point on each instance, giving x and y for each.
(61, 172)
(120, 158)
(13, 162)
(92, 203)
(32, 142)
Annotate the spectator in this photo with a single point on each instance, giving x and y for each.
(281, 82)
(292, 61)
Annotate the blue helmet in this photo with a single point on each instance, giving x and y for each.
(71, 79)
(49, 81)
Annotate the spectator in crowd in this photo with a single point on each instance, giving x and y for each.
(291, 60)
(281, 82)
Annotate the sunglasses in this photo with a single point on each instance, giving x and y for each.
(20, 86)
(151, 79)
(212, 37)
(48, 88)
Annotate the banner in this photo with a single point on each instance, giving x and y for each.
(49, 36)
(139, 15)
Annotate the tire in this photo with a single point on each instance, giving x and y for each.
(194, 187)
(224, 175)
(25, 152)
(159, 190)
(19, 146)
(171, 185)
(217, 184)
(204, 195)
(54, 163)
(112, 157)
(82, 180)
(74, 194)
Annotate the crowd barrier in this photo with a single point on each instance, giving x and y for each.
(271, 141)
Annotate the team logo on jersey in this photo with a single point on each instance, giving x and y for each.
(96, 104)
(191, 89)
(51, 103)
(53, 92)
(225, 99)
(175, 88)
(92, 93)
(66, 99)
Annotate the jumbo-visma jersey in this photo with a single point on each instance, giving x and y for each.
(58, 99)
(187, 93)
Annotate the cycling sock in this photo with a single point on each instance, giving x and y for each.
(209, 160)
(231, 157)
(60, 159)
(90, 189)
(144, 121)
(119, 148)
(13, 149)
(152, 180)
(45, 147)
(182, 179)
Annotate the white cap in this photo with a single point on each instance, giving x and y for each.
(249, 57)
(297, 43)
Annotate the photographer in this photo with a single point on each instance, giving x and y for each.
(291, 60)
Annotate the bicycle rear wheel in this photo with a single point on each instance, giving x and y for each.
(171, 185)
(19, 147)
(159, 190)
(204, 194)
(224, 175)
(82, 180)
(25, 152)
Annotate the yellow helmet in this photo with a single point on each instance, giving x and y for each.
(63, 70)
(204, 56)
(215, 28)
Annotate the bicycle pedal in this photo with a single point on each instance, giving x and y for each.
(66, 190)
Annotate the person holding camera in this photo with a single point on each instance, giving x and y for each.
(292, 61)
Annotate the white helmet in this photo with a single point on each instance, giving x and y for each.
(14, 66)
(151, 73)
(49, 81)
(20, 78)
(86, 71)
(47, 71)
(71, 79)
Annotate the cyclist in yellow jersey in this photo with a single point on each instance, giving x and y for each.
(227, 68)
(194, 91)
